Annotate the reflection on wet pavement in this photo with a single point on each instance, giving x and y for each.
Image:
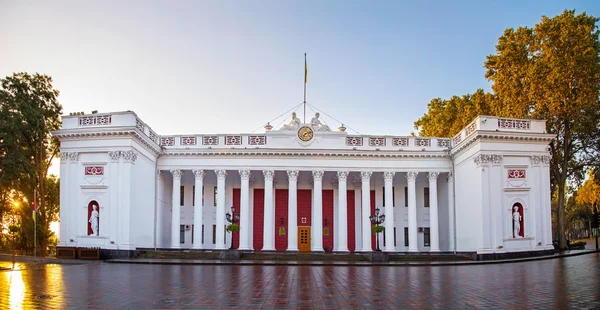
(570, 282)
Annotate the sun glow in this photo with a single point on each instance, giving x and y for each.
(16, 289)
(55, 228)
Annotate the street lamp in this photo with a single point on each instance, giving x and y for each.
(232, 218)
(377, 220)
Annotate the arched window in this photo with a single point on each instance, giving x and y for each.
(93, 223)
(518, 221)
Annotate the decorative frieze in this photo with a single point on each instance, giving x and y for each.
(484, 159)
(187, 140)
(516, 174)
(210, 140)
(167, 141)
(139, 125)
(74, 156)
(64, 156)
(152, 135)
(95, 120)
(443, 143)
(233, 140)
(422, 142)
(401, 142)
(354, 141)
(94, 170)
(470, 128)
(504, 123)
(456, 140)
(257, 140)
(377, 141)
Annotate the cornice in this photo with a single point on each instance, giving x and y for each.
(272, 153)
(128, 131)
(498, 135)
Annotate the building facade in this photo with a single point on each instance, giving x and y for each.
(304, 187)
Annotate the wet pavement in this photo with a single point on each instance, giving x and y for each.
(569, 282)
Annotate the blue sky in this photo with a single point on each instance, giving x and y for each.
(231, 66)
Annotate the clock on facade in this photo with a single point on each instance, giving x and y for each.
(305, 133)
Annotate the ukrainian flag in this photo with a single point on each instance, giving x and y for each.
(305, 70)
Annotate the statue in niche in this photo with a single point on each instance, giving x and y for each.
(316, 124)
(294, 123)
(94, 220)
(516, 222)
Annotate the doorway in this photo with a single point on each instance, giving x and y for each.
(304, 239)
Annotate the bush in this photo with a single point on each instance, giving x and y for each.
(377, 229)
(233, 227)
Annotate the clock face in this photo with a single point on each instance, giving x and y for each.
(305, 133)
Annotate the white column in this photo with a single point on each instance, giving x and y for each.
(434, 229)
(269, 224)
(198, 208)
(292, 211)
(64, 168)
(413, 245)
(342, 215)
(159, 219)
(129, 158)
(74, 216)
(317, 220)
(388, 178)
(357, 214)
(366, 211)
(245, 210)
(175, 207)
(115, 182)
(220, 222)
(451, 211)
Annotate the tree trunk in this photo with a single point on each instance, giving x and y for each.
(562, 241)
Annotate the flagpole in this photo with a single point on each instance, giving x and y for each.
(34, 229)
(305, 78)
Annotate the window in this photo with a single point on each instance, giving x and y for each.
(224, 234)
(181, 233)
(215, 197)
(181, 195)
(405, 236)
(394, 236)
(426, 237)
(193, 201)
(383, 238)
(426, 196)
(202, 234)
(192, 234)
(393, 196)
(406, 196)
(214, 234)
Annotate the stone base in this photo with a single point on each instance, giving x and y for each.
(230, 255)
(379, 257)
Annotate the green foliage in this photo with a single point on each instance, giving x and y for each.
(29, 111)
(377, 229)
(233, 227)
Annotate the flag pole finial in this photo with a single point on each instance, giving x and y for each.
(305, 81)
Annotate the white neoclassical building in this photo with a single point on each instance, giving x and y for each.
(304, 187)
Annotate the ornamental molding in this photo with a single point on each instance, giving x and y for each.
(318, 175)
(246, 153)
(503, 136)
(366, 176)
(293, 175)
(177, 174)
(64, 156)
(342, 175)
(114, 156)
(485, 159)
(129, 156)
(244, 174)
(221, 174)
(198, 174)
(411, 176)
(73, 156)
(388, 175)
(449, 177)
(150, 142)
(433, 176)
(268, 174)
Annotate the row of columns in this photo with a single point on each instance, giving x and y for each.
(317, 211)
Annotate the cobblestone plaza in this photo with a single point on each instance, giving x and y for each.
(571, 282)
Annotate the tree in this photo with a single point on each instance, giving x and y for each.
(589, 193)
(552, 72)
(445, 118)
(29, 111)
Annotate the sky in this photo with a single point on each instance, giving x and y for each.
(232, 66)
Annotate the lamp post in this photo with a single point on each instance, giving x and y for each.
(377, 220)
(232, 218)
